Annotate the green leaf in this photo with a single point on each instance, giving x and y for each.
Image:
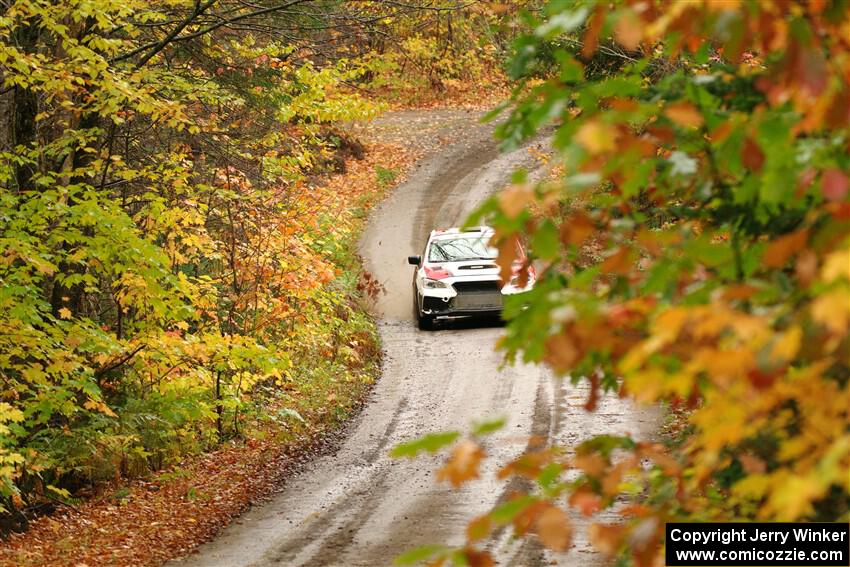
(488, 426)
(571, 70)
(432, 443)
(505, 513)
(544, 243)
(562, 23)
(420, 554)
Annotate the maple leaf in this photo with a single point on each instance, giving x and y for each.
(462, 464)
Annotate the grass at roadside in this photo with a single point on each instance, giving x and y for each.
(152, 519)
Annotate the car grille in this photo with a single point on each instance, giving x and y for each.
(478, 295)
(481, 286)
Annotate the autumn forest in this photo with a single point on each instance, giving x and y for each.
(186, 312)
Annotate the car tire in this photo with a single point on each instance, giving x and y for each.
(424, 322)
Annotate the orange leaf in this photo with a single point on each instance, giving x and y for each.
(507, 254)
(618, 263)
(806, 267)
(475, 558)
(684, 114)
(593, 398)
(739, 292)
(462, 465)
(586, 501)
(780, 250)
(513, 200)
(527, 465)
(834, 185)
(722, 132)
(658, 454)
(607, 538)
(562, 352)
(628, 30)
(527, 517)
(751, 464)
(554, 529)
(593, 464)
(752, 156)
(576, 229)
(594, 29)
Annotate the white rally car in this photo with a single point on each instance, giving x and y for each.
(457, 275)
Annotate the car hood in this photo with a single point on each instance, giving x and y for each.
(471, 268)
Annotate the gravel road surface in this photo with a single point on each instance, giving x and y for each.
(358, 507)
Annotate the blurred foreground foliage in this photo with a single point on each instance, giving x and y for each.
(692, 250)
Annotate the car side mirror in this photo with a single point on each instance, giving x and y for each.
(414, 260)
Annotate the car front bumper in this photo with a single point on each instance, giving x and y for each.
(449, 301)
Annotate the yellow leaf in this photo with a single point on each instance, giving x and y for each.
(514, 200)
(832, 310)
(106, 410)
(786, 347)
(65, 313)
(793, 499)
(836, 265)
(597, 137)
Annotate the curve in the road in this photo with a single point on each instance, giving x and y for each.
(358, 507)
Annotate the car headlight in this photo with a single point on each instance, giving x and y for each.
(434, 284)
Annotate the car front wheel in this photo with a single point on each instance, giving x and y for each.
(423, 321)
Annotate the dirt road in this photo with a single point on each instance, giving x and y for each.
(358, 507)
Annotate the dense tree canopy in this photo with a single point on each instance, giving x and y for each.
(166, 255)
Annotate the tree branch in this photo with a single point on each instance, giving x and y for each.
(174, 36)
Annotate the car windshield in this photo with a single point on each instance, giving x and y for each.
(461, 248)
